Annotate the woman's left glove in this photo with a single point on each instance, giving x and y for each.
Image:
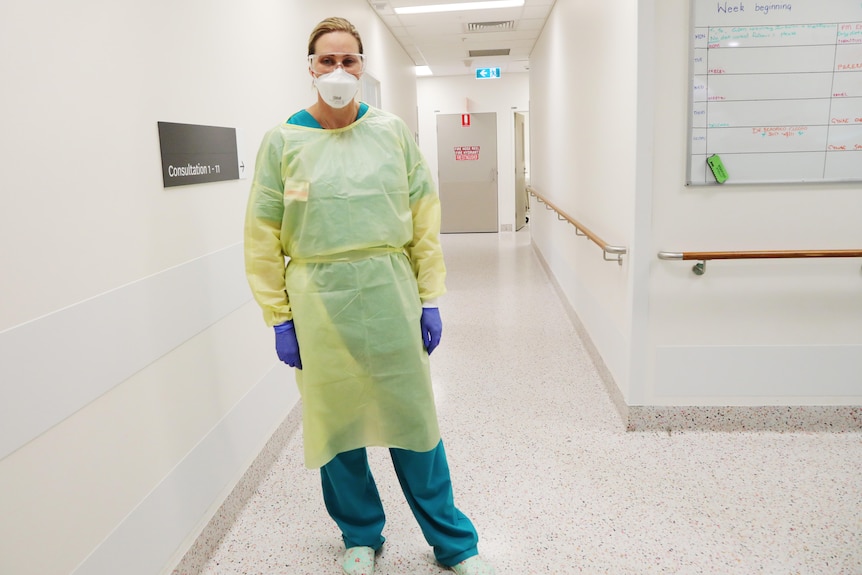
(432, 328)
(286, 345)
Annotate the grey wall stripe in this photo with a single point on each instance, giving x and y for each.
(53, 366)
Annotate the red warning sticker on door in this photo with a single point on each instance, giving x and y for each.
(466, 153)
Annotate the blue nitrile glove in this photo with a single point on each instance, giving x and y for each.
(432, 327)
(286, 345)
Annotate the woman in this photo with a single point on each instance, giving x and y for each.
(342, 191)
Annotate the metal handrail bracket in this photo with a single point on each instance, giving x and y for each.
(583, 231)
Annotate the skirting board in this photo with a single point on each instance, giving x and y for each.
(778, 418)
(709, 418)
(607, 378)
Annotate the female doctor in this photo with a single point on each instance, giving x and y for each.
(343, 193)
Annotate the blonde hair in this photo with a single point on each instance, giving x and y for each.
(333, 24)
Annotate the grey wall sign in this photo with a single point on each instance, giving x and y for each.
(193, 154)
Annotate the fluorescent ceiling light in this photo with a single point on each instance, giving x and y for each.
(486, 4)
(423, 71)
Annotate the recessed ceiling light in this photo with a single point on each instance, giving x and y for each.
(487, 4)
(423, 71)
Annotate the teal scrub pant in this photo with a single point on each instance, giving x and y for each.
(353, 501)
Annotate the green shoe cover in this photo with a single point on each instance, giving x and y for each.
(358, 561)
(474, 565)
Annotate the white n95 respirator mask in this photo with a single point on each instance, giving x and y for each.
(337, 88)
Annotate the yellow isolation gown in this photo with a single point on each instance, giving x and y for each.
(355, 213)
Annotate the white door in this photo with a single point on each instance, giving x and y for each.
(522, 198)
(467, 160)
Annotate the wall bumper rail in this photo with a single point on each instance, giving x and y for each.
(610, 253)
(702, 257)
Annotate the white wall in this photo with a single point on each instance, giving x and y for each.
(137, 379)
(609, 98)
(583, 86)
(747, 332)
(466, 94)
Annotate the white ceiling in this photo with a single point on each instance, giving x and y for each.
(443, 40)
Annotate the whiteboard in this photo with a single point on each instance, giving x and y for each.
(776, 91)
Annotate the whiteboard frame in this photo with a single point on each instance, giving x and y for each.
(690, 99)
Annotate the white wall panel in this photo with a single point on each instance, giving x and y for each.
(581, 159)
(759, 375)
(148, 537)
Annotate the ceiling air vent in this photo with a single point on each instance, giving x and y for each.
(496, 52)
(503, 26)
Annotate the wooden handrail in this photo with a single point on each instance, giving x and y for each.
(759, 255)
(582, 230)
(703, 257)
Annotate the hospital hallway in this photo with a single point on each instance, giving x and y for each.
(542, 463)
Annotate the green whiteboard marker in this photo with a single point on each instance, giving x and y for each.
(717, 167)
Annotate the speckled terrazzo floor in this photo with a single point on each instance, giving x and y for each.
(542, 464)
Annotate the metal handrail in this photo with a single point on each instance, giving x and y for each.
(582, 230)
(703, 257)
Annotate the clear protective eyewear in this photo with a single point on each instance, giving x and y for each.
(325, 63)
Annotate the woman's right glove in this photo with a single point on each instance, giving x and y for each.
(286, 345)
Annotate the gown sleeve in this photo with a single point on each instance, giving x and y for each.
(263, 251)
(424, 250)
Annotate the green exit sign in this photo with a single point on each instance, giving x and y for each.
(485, 73)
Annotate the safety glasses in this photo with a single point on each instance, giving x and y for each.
(325, 63)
